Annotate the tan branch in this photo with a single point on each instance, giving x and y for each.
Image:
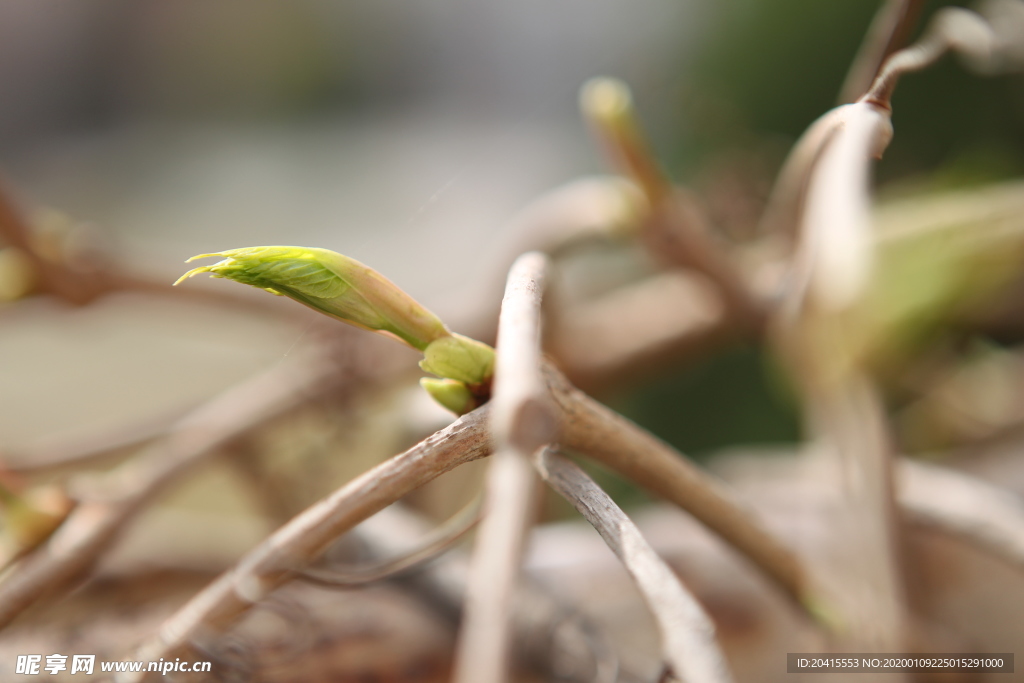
(888, 32)
(687, 633)
(53, 277)
(522, 420)
(602, 434)
(306, 536)
(439, 541)
(831, 271)
(90, 449)
(678, 230)
(97, 522)
(631, 334)
(952, 28)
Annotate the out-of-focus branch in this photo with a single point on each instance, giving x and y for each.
(952, 28)
(888, 32)
(550, 635)
(784, 209)
(687, 633)
(117, 497)
(835, 252)
(439, 541)
(522, 420)
(631, 334)
(51, 276)
(868, 580)
(678, 231)
(831, 269)
(80, 284)
(306, 536)
(593, 430)
(588, 209)
(984, 515)
(88, 450)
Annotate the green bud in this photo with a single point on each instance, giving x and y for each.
(459, 358)
(333, 284)
(450, 393)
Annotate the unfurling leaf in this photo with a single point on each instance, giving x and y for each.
(345, 289)
(333, 284)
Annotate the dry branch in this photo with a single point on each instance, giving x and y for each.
(522, 420)
(831, 270)
(888, 32)
(550, 635)
(600, 433)
(97, 521)
(588, 427)
(687, 633)
(88, 450)
(439, 541)
(678, 230)
(952, 28)
(631, 334)
(784, 210)
(80, 284)
(306, 536)
(56, 278)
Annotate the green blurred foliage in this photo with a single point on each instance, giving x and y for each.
(735, 397)
(768, 69)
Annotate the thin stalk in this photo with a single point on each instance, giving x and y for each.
(687, 632)
(522, 421)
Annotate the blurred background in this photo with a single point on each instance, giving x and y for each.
(408, 135)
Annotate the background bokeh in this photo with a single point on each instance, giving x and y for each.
(407, 134)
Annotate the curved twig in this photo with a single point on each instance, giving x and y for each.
(888, 32)
(96, 523)
(831, 269)
(91, 449)
(598, 432)
(678, 230)
(687, 632)
(306, 536)
(435, 544)
(952, 28)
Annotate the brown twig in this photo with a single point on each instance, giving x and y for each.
(952, 28)
(598, 432)
(589, 427)
(888, 32)
(687, 633)
(97, 522)
(678, 231)
(584, 210)
(869, 588)
(631, 334)
(306, 536)
(440, 540)
(550, 635)
(54, 277)
(88, 450)
(522, 420)
(831, 270)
